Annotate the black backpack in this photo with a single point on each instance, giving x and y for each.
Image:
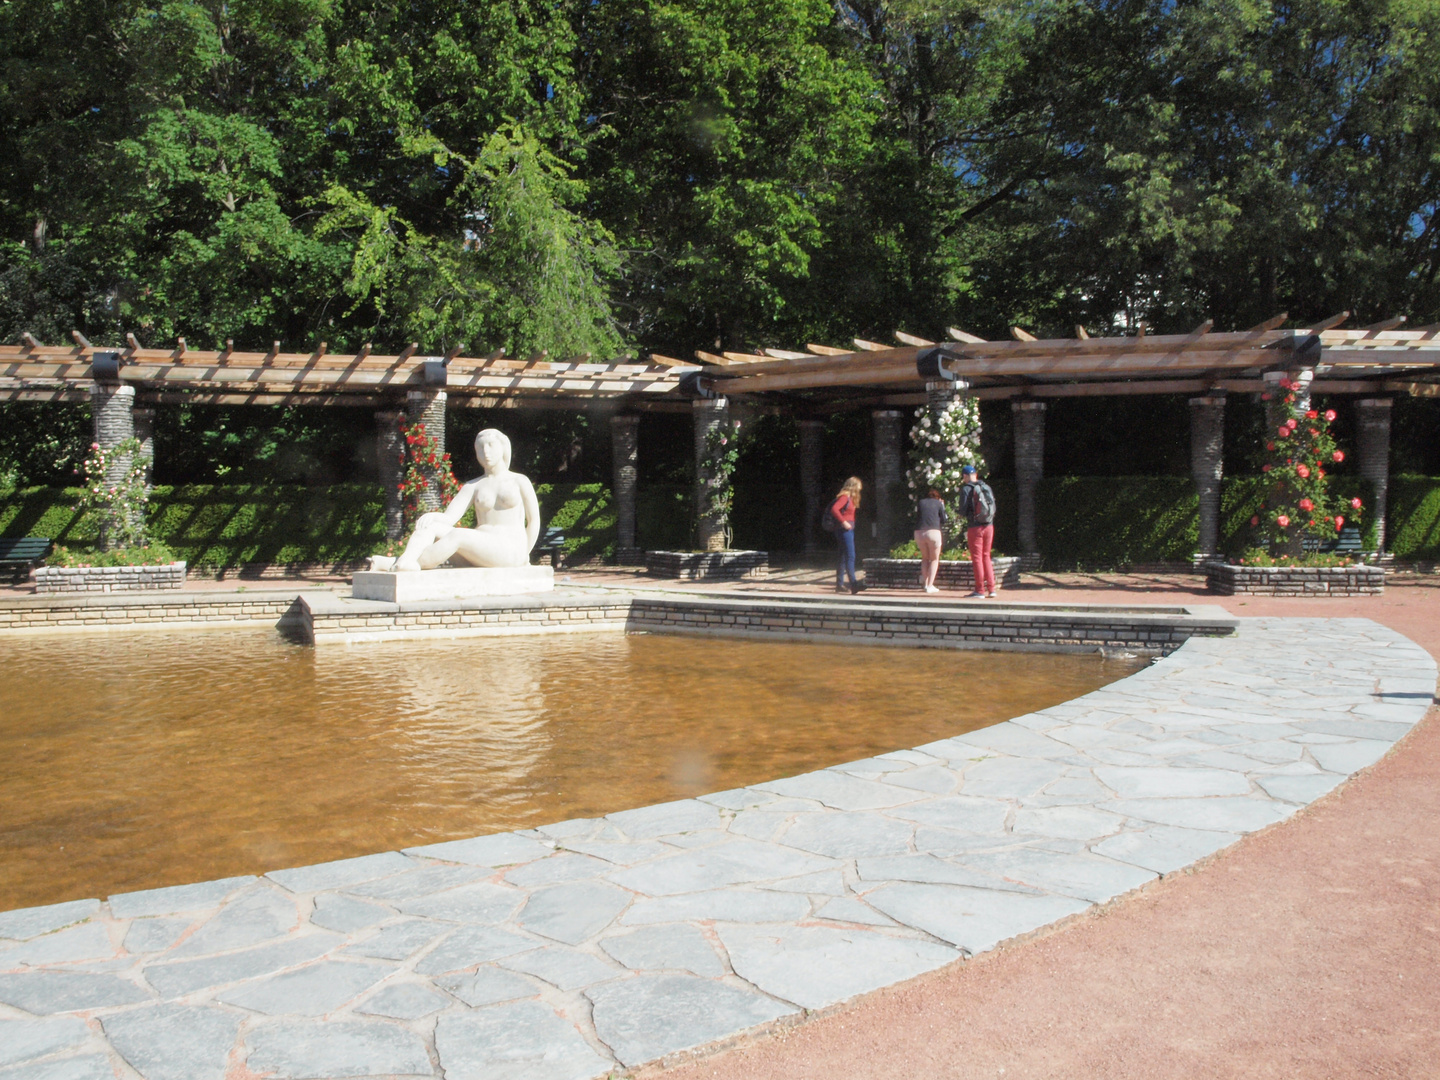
(827, 520)
(979, 503)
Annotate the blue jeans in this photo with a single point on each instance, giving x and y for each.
(845, 551)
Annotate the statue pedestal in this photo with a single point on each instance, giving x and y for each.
(450, 583)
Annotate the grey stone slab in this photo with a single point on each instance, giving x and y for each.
(574, 912)
(823, 883)
(698, 839)
(501, 849)
(758, 824)
(575, 828)
(665, 819)
(963, 812)
(846, 836)
(732, 863)
(342, 872)
(177, 898)
(562, 866)
(738, 798)
(88, 941)
(648, 1016)
(345, 914)
(1086, 737)
(935, 779)
(567, 968)
(1066, 822)
(522, 1040)
(974, 919)
(721, 905)
(154, 934)
(186, 976)
(45, 992)
(310, 991)
(250, 919)
(421, 882)
(1352, 728)
(311, 1050)
(82, 1067)
(1010, 778)
(1013, 739)
(670, 947)
(1214, 815)
(847, 909)
(950, 842)
(405, 1001)
(400, 940)
(1300, 789)
(928, 868)
(1349, 757)
(840, 791)
(482, 903)
(618, 852)
(1083, 876)
(24, 923)
(25, 1040)
(1164, 848)
(489, 985)
(174, 1042)
(816, 966)
(471, 945)
(1171, 783)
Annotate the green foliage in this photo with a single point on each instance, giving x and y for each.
(150, 554)
(1414, 517)
(1100, 521)
(1263, 557)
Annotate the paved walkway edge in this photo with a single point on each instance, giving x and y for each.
(579, 948)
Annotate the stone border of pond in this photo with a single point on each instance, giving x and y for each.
(581, 947)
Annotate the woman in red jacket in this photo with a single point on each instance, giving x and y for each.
(842, 509)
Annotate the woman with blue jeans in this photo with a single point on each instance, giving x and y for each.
(842, 510)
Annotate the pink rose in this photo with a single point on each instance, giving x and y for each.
(1283, 521)
(1255, 520)
(1329, 414)
(1338, 455)
(1355, 504)
(1339, 522)
(1306, 504)
(1304, 471)
(1284, 432)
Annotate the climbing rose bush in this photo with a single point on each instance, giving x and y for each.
(119, 502)
(1298, 501)
(423, 464)
(941, 444)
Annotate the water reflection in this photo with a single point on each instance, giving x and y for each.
(131, 762)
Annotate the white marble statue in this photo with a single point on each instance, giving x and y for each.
(507, 518)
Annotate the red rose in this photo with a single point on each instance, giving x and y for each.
(1264, 397)
(1339, 522)
(1306, 504)
(1311, 415)
(1330, 414)
(1355, 504)
(1313, 431)
(1283, 521)
(1304, 471)
(1284, 432)
(1269, 446)
(1338, 455)
(1266, 467)
(1320, 473)
(1255, 520)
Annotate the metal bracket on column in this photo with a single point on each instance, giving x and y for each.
(695, 385)
(929, 365)
(433, 373)
(1304, 351)
(105, 366)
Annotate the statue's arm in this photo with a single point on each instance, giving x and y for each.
(459, 504)
(532, 512)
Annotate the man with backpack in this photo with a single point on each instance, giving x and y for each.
(977, 505)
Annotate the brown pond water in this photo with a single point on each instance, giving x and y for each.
(135, 761)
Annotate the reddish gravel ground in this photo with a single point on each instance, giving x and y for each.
(1309, 950)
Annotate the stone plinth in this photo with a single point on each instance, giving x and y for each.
(953, 573)
(1230, 580)
(459, 583)
(709, 565)
(50, 580)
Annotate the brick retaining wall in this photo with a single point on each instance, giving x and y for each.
(1229, 580)
(326, 617)
(99, 612)
(50, 580)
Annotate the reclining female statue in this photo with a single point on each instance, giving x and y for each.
(507, 517)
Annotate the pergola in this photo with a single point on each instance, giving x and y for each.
(1370, 362)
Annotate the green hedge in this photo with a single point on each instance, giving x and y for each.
(1414, 517)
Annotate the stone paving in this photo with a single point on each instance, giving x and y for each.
(590, 946)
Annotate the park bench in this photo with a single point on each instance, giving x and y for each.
(552, 542)
(19, 555)
(1347, 543)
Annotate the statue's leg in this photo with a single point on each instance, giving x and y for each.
(427, 529)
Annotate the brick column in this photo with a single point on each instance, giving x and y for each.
(812, 476)
(1373, 450)
(1275, 411)
(390, 464)
(112, 411)
(1207, 467)
(428, 407)
(710, 529)
(625, 457)
(889, 476)
(1029, 423)
(145, 433)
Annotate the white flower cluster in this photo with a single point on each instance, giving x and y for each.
(941, 444)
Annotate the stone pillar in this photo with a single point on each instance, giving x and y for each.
(390, 464)
(112, 411)
(889, 476)
(1029, 423)
(145, 434)
(812, 476)
(428, 407)
(1207, 467)
(625, 457)
(710, 529)
(1373, 450)
(1275, 414)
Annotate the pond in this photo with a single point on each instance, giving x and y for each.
(132, 761)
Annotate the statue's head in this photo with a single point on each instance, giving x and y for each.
(492, 450)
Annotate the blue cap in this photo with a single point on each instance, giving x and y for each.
(968, 470)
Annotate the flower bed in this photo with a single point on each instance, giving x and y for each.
(953, 573)
(50, 580)
(708, 565)
(1227, 579)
